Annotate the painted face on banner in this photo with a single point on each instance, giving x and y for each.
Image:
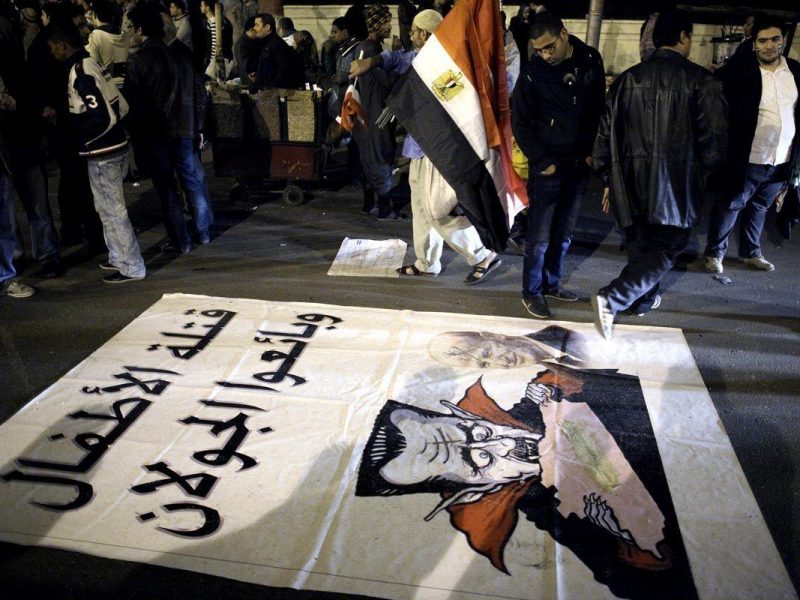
(484, 349)
(461, 448)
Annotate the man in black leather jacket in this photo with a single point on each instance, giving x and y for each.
(556, 108)
(162, 120)
(663, 131)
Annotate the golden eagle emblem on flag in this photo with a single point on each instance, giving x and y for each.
(448, 85)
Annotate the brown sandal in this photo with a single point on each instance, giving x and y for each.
(412, 270)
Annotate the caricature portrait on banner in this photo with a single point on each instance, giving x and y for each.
(394, 454)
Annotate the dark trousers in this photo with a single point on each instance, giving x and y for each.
(652, 250)
(30, 180)
(762, 185)
(161, 162)
(555, 202)
(79, 219)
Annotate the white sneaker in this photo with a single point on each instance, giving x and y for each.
(713, 264)
(604, 318)
(15, 289)
(758, 262)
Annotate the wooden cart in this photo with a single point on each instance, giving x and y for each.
(274, 134)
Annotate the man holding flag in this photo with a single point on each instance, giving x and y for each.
(433, 200)
(558, 102)
(363, 103)
(454, 102)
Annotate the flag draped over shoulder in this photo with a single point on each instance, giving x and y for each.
(454, 101)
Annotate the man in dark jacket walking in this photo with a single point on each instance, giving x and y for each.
(662, 132)
(376, 145)
(557, 105)
(762, 92)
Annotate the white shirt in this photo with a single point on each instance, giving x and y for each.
(775, 128)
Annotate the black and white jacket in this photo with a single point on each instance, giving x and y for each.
(95, 107)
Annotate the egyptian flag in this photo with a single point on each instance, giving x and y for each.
(454, 102)
(351, 108)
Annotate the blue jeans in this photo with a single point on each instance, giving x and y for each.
(193, 181)
(162, 153)
(30, 180)
(555, 202)
(762, 184)
(177, 155)
(7, 225)
(105, 177)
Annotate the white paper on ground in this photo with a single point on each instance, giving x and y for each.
(369, 258)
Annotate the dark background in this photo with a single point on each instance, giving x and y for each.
(708, 11)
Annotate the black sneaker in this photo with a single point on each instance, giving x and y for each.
(537, 306)
(562, 294)
(51, 269)
(516, 246)
(640, 313)
(107, 266)
(119, 278)
(170, 248)
(392, 215)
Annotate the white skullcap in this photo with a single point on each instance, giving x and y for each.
(428, 20)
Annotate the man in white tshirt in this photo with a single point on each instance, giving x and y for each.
(183, 27)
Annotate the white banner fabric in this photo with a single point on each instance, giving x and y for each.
(391, 453)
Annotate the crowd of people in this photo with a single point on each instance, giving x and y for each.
(113, 84)
(668, 133)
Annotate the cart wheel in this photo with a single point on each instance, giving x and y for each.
(293, 195)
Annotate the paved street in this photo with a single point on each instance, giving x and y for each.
(744, 338)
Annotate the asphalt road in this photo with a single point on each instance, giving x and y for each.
(744, 338)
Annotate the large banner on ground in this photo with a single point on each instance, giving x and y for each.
(391, 453)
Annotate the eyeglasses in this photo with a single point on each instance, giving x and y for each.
(415, 30)
(549, 49)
